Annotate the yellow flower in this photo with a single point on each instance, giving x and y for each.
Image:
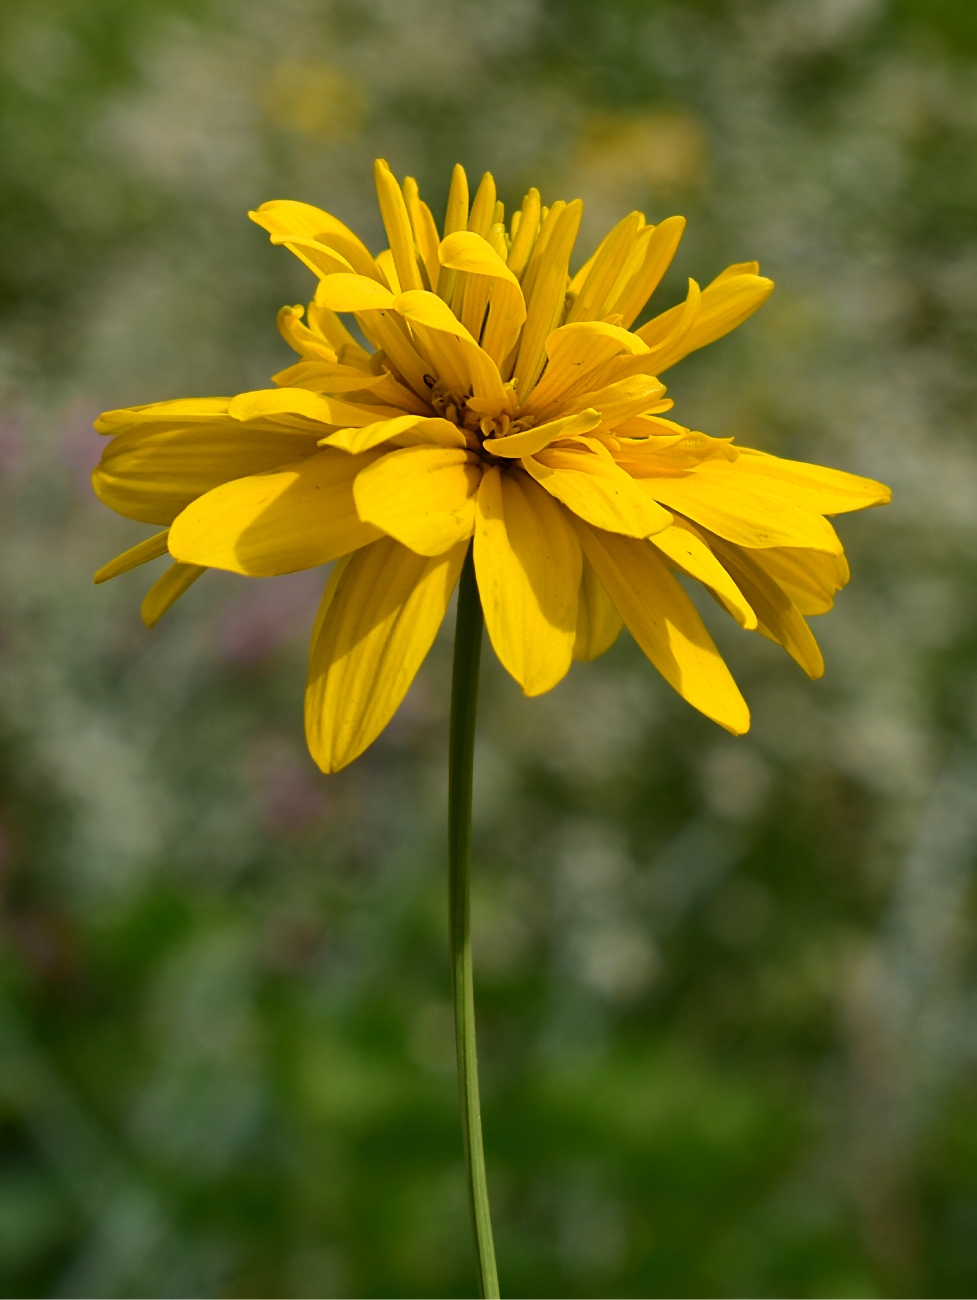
(503, 402)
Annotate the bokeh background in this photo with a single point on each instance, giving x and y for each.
(727, 990)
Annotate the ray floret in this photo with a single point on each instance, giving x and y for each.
(501, 405)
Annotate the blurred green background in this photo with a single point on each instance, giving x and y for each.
(727, 990)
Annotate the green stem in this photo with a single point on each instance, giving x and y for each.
(461, 751)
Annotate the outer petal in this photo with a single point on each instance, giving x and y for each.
(286, 403)
(344, 293)
(152, 472)
(175, 413)
(285, 217)
(167, 590)
(384, 612)
(730, 504)
(295, 517)
(684, 547)
(734, 295)
(528, 562)
(598, 622)
(150, 549)
(812, 487)
(422, 496)
(809, 578)
(598, 491)
(777, 614)
(664, 622)
(425, 429)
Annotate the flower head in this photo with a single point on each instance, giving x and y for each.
(502, 401)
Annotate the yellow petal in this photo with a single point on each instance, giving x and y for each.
(425, 230)
(179, 412)
(730, 504)
(809, 578)
(393, 209)
(295, 517)
(275, 403)
(298, 336)
(604, 269)
(284, 217)
(151, 549)
(813, 487)
(422, 496)
(383, 614)
(578, 354)
(329, 377)
(546, 297)
(686, 549)
(598, 622)
(386, 263)
(483, 206)
(777, 614)
(726, 303)
(533, 440)
(387, 331)
(665, 624)
(362, 388)
(318, 257)
(353, 293)
(167, 590)
(464, 251)
(452, 346)
(621, 401)
(527, 561)
(152, 472)
(638, 282)
(598, 491)
(326, 323)
(548, 221)
(455, 218)
(426, 430)
(524, 237)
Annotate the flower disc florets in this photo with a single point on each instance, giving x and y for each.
(501, 404)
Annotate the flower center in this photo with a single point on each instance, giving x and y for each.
(479, 429)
